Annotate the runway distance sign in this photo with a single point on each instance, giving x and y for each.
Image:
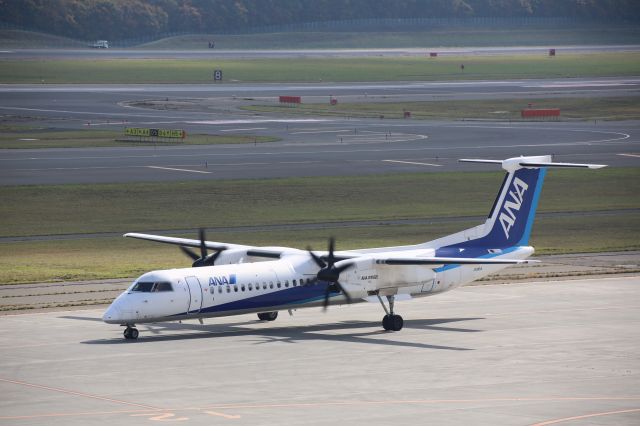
(160, 133)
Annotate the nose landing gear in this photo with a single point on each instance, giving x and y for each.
(391, 321)
(131, 333)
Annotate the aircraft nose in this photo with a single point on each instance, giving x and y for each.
(113, 314)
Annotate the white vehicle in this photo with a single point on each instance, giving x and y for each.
(100, 44)
(238, 279)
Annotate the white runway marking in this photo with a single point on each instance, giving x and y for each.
(412, 162)
(262, 120)
(630, 155)
(244, 130)
(179, 170)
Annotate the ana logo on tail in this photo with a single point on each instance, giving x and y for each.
(508, 216)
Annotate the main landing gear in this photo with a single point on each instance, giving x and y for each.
(131, 332)
(268, 316)
(390, 322)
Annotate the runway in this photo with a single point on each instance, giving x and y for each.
(309, 146)
(532, 353)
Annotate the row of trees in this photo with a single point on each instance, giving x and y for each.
(121, 19)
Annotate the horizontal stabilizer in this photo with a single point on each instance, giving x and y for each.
(512, 164)
(584, 166)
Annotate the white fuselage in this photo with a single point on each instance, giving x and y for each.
(283, 284)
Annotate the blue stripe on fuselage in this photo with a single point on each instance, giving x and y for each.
(288, 296)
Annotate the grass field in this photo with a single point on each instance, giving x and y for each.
(325, 69)
(396, 39)
(453, 37)
(122, 258)
(614, 108)
(32, 138)
(42, 210)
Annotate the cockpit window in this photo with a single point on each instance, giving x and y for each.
(151, 287)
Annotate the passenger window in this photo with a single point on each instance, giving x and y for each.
(220, 289)
(295, 283)
(250, 287)
(235, 288)
(286, 284)
(264, 285)
(242, 288)
(228, 289)
(271, 285)
(279, 285)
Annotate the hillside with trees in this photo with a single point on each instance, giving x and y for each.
(122, 19)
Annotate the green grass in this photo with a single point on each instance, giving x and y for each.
(612, 108)
(325, 69)
(486, 36)
(41, 210)
(12, 137)
(122, 258)
(45, 210)
(399, 39)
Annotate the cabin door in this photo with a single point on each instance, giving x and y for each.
(195, 293)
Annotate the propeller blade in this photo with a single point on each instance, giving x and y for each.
(326, 297)
(189, 253)
(332, 245)
(214, 257)
(203, 247)
(316, 259)
(344, 267)
(346, 295)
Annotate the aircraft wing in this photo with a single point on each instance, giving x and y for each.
(187, 242)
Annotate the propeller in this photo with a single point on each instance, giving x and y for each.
(330, 273)
(204, 259)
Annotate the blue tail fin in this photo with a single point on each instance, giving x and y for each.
(511, 218)
(515, 208)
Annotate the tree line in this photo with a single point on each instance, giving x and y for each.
(122, 19)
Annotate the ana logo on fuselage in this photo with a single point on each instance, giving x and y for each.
(223, 280)
(508, 215)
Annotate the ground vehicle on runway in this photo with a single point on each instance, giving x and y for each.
(238, 279)
(100, 44)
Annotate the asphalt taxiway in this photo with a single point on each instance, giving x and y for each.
(532, 353)
(309, 146)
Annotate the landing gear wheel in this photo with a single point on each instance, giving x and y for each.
(131, 333)
(386, 322)
(392, 322)
(396, 322)
(268, 316)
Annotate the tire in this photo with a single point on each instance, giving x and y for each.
(397, 323)
(386, 323)
(268, 316)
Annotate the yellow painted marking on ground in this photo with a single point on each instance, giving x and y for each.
(226, 416)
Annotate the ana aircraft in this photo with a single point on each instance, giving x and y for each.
(239, 279)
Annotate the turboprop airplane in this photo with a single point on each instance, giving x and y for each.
(238, 279)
